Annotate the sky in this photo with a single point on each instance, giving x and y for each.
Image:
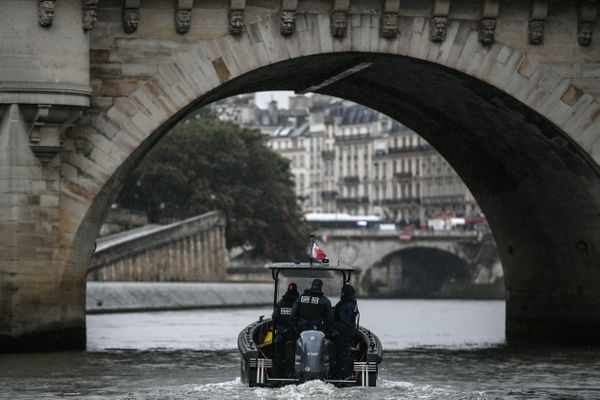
(263, 98)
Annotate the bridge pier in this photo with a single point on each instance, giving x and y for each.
(44, 87)
(531, 320)
(553, 302)
(41, 299)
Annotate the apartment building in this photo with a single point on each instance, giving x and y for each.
(348, 158)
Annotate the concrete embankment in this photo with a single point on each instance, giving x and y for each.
(104, 297)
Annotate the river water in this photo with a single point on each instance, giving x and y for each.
(433, 349)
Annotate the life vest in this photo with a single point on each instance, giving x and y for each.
(311, 309)
(285, 312)
(345, 313)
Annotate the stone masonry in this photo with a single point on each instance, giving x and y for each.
(192, 250)
(516, 113)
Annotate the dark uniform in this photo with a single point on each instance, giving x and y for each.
(282, 322)
(345, 313)
(313, 310)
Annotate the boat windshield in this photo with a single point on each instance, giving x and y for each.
(332, 281)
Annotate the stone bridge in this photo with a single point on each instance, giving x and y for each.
(468, 260)
(507, 91)
(192, 250)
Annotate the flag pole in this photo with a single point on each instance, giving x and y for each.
(312, 243)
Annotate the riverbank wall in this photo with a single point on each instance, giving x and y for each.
(107, 297)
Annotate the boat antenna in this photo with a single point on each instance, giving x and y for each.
(312, 243)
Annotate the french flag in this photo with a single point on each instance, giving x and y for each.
(317, 253)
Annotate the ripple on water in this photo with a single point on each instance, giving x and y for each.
(318, 390)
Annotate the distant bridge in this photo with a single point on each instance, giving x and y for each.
(435, 263)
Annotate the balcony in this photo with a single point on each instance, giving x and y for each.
(443, 199)
(329, 194)
(348, 138)
(401, 201)
(352, 200)
(351, 180)
(328, 154)
(403, 175)
(409, 149)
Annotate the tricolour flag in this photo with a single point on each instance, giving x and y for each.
(317, 253)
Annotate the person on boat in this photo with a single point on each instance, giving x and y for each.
(283, 327)
(345, 313)
(312, 310)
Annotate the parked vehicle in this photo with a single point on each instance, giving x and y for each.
(341, 221)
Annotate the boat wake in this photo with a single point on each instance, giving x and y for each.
(386, 389)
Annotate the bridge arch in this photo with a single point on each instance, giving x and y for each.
(511, 137)
(418, 271)
(520, 130)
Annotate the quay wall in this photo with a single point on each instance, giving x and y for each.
(106, 297)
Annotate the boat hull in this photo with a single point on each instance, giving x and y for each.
(256, 365)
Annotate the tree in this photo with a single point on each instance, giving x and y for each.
(205, 164)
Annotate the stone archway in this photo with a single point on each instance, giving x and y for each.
(508, 154)
(514, 128)
(423, 272)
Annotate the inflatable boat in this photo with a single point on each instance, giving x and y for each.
(311, 351)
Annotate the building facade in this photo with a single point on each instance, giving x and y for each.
(348, 158)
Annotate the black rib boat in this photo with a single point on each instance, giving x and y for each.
(312, 351)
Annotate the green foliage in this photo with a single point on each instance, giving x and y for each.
(205, 164)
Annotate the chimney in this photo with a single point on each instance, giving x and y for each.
(273, 111)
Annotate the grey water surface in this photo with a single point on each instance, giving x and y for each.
(433, 349)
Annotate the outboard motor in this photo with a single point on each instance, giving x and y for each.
(312, 356)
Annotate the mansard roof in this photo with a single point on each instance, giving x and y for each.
(358, 114)
(291, 131)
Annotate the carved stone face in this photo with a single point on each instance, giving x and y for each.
(89, 19)
(183, 20)
(338, 23)
(438, 28)
(236, 22)
(584, 33)
(389, 25)
(46, 12)
(287, 22)
(536, 32)
(487, 29)
(131, 19)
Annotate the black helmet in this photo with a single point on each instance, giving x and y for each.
(317, 285)
(348, 290)
(292, 288)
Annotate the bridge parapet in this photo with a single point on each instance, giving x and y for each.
(189, 250)
(418, 234)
